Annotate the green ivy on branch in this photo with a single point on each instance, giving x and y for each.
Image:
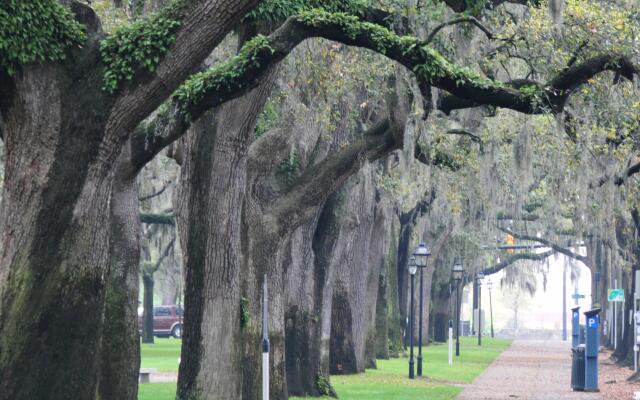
(140, 46)
(280, 10)
(226, 76)
(36, 31)
(241, 73)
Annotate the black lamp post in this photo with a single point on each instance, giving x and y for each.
(456, 273)
(412, 271)
(479, 278)
(421, 254)
(489, 285)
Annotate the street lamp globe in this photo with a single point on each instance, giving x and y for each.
(421, 254)
(457, 272)
(413, 267)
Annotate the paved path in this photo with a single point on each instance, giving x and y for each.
(531, 370)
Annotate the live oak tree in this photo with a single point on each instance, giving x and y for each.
(67, 113)
(70, 110)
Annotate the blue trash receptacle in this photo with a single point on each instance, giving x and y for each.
(578, 367)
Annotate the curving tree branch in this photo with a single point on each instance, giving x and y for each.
(556, 247)
(242, 73)
(466, 5)
(619, 179)
(461, 20)
(155, 194)
(517, 257)
(321, 179)
(153, 218)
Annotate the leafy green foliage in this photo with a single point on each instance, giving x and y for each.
(139, 46)
(434, 67)
(290, 167)
(324, 386)
(224, 75)
(244, 312)
(279, 10)
(268, 118)
(36, 31)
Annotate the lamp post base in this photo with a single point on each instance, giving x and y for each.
(411, 374)
(457, 348)
(419, 372)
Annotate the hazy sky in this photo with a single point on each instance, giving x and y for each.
(543, 310)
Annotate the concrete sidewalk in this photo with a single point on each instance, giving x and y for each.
(539, 370)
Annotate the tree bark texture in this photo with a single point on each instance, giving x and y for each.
(55, 236)
(378, 245)
(148, 285)
(213, 183)
(120, 361)
(63, 134)
(355, 284)
(304, 288)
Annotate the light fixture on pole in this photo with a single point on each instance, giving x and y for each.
(479, 278)
(489, 284)
(413, 268)
(421, 255)
(456, 273)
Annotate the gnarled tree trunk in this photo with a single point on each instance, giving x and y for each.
(55, 236)
(212, 193)
(356, 281)
(120, 360)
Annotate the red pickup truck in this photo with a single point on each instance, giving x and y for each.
(167, 321)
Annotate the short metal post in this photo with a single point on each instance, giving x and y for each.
(265, 341)
(479, 313)
(450, 342)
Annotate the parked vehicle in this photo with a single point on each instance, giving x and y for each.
(167, 320)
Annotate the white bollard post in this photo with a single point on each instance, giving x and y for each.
(265, 341)
(450, 342)
(265, 376)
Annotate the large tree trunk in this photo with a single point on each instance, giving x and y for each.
(378, 245)
(213, 183)
(441, 313)
(305, 373)
(63, 133)
(265, 239)
(120, 361)
(147, 305)
(395, 325)
(356, 281)
(55, 240)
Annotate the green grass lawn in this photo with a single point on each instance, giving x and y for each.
(162, 355)
(388, 382)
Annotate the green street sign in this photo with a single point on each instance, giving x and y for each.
(577, 296)
(616, 295)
